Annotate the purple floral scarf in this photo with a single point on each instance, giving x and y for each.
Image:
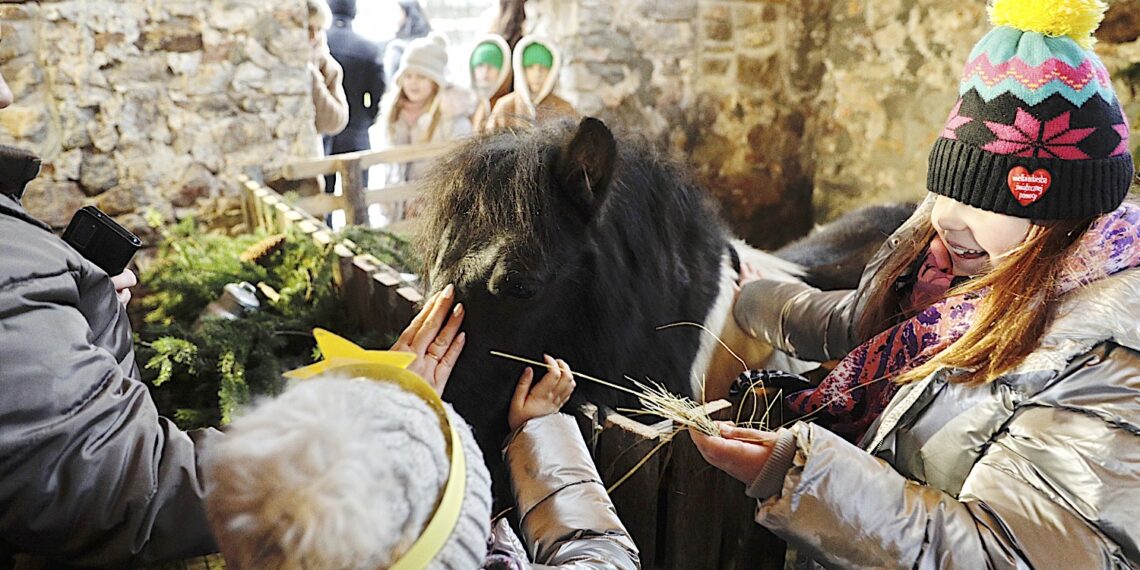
(859, 388)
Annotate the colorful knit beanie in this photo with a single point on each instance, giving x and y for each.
(1038, 131)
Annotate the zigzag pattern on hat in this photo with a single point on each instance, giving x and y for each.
(1033, 67)
(1034, 84)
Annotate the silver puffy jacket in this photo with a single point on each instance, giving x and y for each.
(565, 514)
(89, 473)
(1037, 469)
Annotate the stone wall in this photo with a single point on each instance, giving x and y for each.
(791, 111)
(136, 104)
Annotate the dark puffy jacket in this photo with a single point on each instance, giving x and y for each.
(363, 75)
(89, 473)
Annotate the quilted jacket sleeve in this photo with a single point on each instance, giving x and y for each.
(848, 509)
(567, 519)
(89, 473)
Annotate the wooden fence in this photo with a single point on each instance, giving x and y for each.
(355, 198)
(381, 298)
(682, 513)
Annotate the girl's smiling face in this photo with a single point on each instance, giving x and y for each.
(418, 88)
(975, 238)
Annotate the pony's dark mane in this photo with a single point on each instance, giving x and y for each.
(494, 182)
(650, 255)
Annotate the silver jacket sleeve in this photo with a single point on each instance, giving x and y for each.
(798, 319)
(566, 517)
(847, 509)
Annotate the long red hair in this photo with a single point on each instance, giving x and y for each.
(1011, 318)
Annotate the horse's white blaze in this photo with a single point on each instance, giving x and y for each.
(475, 261)
(771, 267)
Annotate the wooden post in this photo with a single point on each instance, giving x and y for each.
(352, 184)
(622, 445)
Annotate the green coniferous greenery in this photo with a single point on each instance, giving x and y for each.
(203, 370)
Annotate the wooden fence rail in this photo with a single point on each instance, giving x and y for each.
(351, 166)
(683, 514)
(380, 297)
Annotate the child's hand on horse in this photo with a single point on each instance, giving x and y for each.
(748, 274)
(544, 398)
(434, 337)
(740, 452)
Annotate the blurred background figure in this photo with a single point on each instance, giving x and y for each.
(511, 21)
(329, 101)
(490, 67)
(536, 66)
(414, 24)
(363, 82)
(422, 107)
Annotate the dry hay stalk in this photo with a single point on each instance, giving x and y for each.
(654, 399)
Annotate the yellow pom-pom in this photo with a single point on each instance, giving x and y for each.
(1077, 19)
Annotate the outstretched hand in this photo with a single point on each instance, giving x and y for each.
(544, 398)
(740, 452)
(434, 337)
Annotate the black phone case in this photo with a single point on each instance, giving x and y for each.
(101, 240)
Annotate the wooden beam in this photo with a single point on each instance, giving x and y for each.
(312, 168)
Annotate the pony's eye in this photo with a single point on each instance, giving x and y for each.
(521, 288)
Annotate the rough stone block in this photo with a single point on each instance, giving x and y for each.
(52, 202)
(97, 174)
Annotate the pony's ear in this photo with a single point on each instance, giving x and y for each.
(586, 164)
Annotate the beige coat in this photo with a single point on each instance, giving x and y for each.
(329, 101)
(521, 107)
(454, 107)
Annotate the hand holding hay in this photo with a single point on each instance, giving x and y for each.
(740, 452)
(545, 398)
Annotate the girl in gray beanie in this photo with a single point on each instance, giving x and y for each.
(360, 465)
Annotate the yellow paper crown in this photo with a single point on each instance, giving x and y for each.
(343, 357)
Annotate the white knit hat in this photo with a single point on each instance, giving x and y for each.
(427, 55)
(342, 473)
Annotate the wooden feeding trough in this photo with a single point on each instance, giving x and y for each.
(681, 512)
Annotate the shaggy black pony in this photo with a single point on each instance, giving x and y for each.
(562, 241)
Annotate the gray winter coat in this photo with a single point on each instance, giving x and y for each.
(89, 473)
(1038, 469)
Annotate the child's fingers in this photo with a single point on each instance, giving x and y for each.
(551, 366)
(522, 390)
(566, 383)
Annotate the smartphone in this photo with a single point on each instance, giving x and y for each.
(100, 239)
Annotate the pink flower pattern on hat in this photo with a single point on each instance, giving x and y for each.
(954, 121)
(1122, 130)
(1029, 138)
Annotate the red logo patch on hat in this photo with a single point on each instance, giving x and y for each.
(1028, 187)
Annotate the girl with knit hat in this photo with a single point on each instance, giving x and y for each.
(423, 107)
(990, 359)
(490, 65)
(359, 465)
(536, 66)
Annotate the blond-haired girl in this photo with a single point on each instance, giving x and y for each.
(993, 372)
(422, 107)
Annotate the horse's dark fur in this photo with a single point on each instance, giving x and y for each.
(599, 246)
(835, 254)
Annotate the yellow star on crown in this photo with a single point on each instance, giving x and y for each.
(339, 351)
